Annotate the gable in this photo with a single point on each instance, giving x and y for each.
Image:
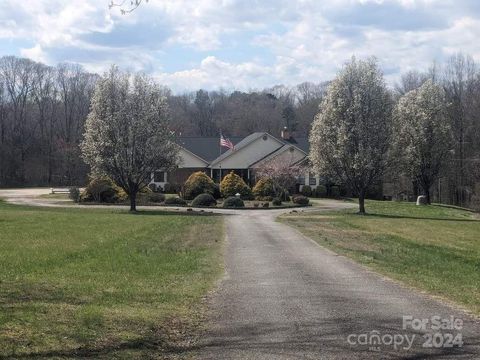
(288, 153)
(250, 150)
(190, 160)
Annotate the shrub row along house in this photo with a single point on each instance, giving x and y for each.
(248, 154)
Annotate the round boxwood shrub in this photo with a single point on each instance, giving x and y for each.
(175, 201)
(233, 184)
(233, 202)
(103, 189)
(263, 188)
(306, 190)
(276, 201)
(204, 200)
(321, 191)
(300, 200)
(74, 194)
(198, 183)
(156, 197)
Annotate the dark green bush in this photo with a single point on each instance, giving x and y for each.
(156, 197)
(74, 194)
(198, 183)
(266, 205)
(321, 191)
(175, 201)
(335, 191)
(276, 201)
(285, 195)
(204, 200)
(306, 190)
(300, 200)
(169, 188)
(154, 187)
(233, 202)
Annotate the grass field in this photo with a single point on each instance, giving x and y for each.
(102, 283)
(433, 248)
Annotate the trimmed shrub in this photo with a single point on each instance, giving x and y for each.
(216, 192)
(233, 184)
(74, 194)
(335, 191)
(156, 197)
(306, 190)
(233, 202)
(285, 196)
(276, 202)
(154, 187)
(204, 200)
(175, 201)
(266, 205)
(321, 191)
(301, 200)
(263, 188)
(103, 189)
(198, 183)
(170, 188)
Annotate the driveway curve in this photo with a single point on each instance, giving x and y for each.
(285, 297)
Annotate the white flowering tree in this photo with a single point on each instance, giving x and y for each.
(423, 135)
(350, 136)
(126, 134)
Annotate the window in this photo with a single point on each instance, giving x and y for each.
(301, 180)
(312, 180)
(159, 176)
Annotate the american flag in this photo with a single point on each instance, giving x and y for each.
(226, 142)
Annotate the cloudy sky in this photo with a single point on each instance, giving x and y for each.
(241, 44)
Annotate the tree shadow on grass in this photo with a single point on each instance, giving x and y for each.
(385, 216)
(205, 212)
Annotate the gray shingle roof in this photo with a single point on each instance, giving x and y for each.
(208, 148)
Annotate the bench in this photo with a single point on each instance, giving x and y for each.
(59, 191)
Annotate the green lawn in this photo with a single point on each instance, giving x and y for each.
(102, 283)
(433, 248)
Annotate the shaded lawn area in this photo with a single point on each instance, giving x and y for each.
(433, 248)
(102, 283)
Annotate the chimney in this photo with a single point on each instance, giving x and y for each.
(285, 134)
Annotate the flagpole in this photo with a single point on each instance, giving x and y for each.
(220, 153)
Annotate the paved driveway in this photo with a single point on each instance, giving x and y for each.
(285, 297)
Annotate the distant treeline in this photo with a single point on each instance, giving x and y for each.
(43, 110)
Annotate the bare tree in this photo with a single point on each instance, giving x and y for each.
(462, 92)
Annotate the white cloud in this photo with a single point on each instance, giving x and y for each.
(298, 41)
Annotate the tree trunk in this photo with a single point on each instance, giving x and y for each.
(427, 195)
(361, 202)
(133, 201)
(426, 190)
